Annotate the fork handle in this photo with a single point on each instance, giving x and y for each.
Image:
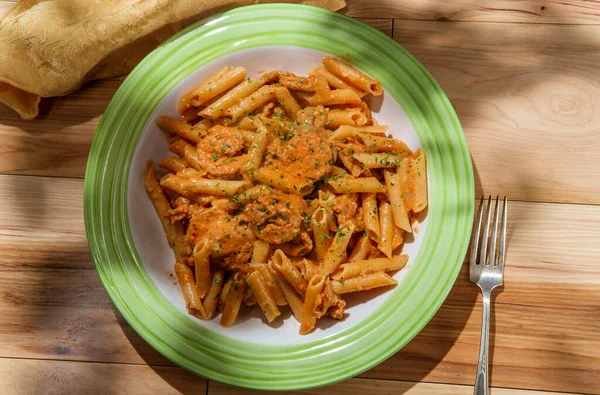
(481, 382)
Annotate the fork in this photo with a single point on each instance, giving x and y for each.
(486, 272)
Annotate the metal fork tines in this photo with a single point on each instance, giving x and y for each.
(486, 268)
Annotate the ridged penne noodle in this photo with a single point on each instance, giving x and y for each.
(250, 103)
(417, 164)
(393, 184)
(173, 230)
(352, 76)
(363, 283)
(284, 266)
(257, 148)
(211, 299)
(188, 288)
(353, 116)
(369, 266)
(173, 164)
(201, 256)
(201, 185)
(286, 100)
(233, 300)
(291, 297)
(260, 251)
(386, 224)
(338, 96)
(223, 80)
(320, 227)
(277, 179)
(348, 184)
(361, 249)
(231, 98)
(314, 288)
(379, 160)
(191, 156)
(371, 216)
(337, 250)
(263, 296)
(333, 81)
(269, 274)
(181, 128)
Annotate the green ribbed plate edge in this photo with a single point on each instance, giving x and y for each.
(336, 357)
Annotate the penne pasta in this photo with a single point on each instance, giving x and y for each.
(263, 296)
(223, 80)
(313, 290)
(292, 275)
(379, 160)
(268, 274)
(353, 116)
(250, 103)
(231, 98)
(352, 76)
(363, 283)
(260, 252)
(370, 266)
(371, 216)
(257, 149)
(173, 230)
(417, 164)
(188, 288)
(286, 100)
(211, 299)
(344, 131)
(201, 185)
(337, 250)
(276, 179)
(291, 297)
(233, 300)
(320, 227)
(348, 184)
(202, 269)
(333, 81)
(181, 128)
(393, 184)
(173, 164)
(338, 96)
(386, 223)
(361, 249)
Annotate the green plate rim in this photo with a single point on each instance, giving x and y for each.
(335, 357)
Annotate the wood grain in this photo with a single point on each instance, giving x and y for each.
(380, 387)
(547, 319)
(33, 377)
(522, 11)
(527, 98)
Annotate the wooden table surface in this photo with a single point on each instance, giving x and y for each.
(524, 77)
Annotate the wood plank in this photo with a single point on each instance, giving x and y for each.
(547, 318)
(527, 99)
(522, 11)
(29, 377)
(58, 141)
(381, 387)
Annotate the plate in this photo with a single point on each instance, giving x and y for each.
(135, 262)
